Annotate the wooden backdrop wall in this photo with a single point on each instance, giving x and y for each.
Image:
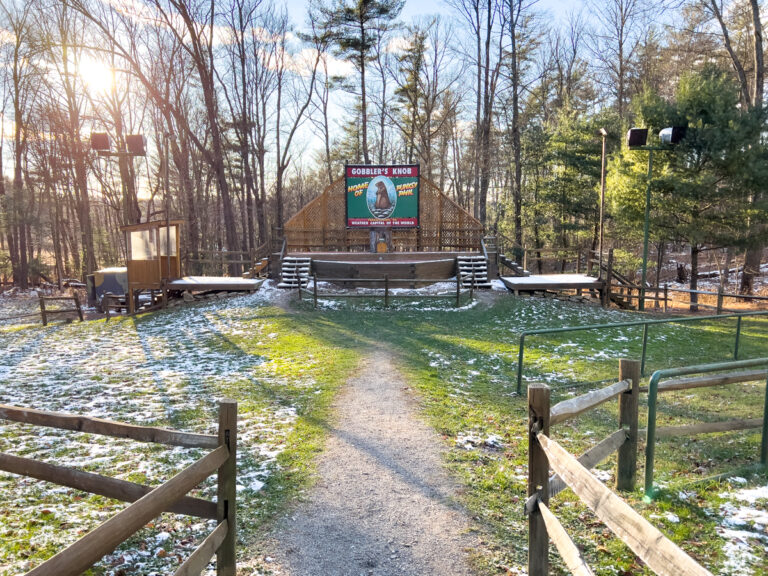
(321, 225)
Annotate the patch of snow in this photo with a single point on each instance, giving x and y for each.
(150, 371)
(744, 528)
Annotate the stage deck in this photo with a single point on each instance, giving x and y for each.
(551, 282)
(206, 283)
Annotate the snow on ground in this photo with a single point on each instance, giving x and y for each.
(744, 528)
(161, 370)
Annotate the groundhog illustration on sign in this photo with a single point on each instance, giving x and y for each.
(382, 198)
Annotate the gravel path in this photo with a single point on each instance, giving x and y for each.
(383, 505)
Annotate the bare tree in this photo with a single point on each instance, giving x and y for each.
(18, 80)
(620, 26)
(487, 26)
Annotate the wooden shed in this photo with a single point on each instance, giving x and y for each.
(444, 225)
(153, 255)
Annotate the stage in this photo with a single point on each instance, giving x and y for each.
(554, 282)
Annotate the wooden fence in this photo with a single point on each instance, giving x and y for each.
(384, 289)
(46, 312)
(658, 552)
(148, 503)
(620, 289)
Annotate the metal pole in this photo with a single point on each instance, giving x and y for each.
(602, 204)
(650, 437)
(520, 352)
(738, 337)
(645, 346)
(167, 206)
(646, 228)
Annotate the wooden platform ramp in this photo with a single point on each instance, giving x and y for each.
(554, 282)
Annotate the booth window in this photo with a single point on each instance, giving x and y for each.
(162, 234)
(143, 246)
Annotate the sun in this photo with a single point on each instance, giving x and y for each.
(97, 76)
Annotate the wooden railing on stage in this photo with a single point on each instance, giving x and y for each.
(658, 552)
(147, 502)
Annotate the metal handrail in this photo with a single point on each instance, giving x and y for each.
(653, 391)
(643, 323)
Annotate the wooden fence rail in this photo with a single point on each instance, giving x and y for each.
(147, 502)
(660, 554)
(647, 542)
(386, 281)
(46, 312)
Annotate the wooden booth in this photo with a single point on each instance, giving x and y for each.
(152, 257)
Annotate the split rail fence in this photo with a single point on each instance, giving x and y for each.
(147, 502)
(710, 375)
(45, 312)
(658, 552)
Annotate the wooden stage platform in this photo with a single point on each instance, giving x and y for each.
(209, 283)
(554, 282)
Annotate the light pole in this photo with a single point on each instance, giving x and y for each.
(636, 139)
(604, 134)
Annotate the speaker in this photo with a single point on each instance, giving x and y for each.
(637, 137)
(136, 144)
(100, 141)
(672, 135)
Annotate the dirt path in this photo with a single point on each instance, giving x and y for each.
(384, 504)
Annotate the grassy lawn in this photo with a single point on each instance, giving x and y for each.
(284, 366)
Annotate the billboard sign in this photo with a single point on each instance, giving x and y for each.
(382, 196)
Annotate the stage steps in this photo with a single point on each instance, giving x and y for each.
(516, 269)
(294, 270)
(477, 264)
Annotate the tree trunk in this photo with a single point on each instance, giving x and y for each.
(694, 307)
(363, 101)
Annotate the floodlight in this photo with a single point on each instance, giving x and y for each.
(672, 135)
(100, 141)
(136, 144)
(637, 137)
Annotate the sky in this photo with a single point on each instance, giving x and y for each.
(415, 8)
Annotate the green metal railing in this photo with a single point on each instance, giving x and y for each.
(653, 391)
(644, 323)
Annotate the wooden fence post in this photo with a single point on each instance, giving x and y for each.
(720, 299)
(608, 277)
(538, 479)
(226, 505)
(76, 298)
(458, 283)
(626, 467)
(43, 315)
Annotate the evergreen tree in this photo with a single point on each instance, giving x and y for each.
(702, 187)
(353, 26)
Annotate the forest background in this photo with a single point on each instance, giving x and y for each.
(249, 112)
